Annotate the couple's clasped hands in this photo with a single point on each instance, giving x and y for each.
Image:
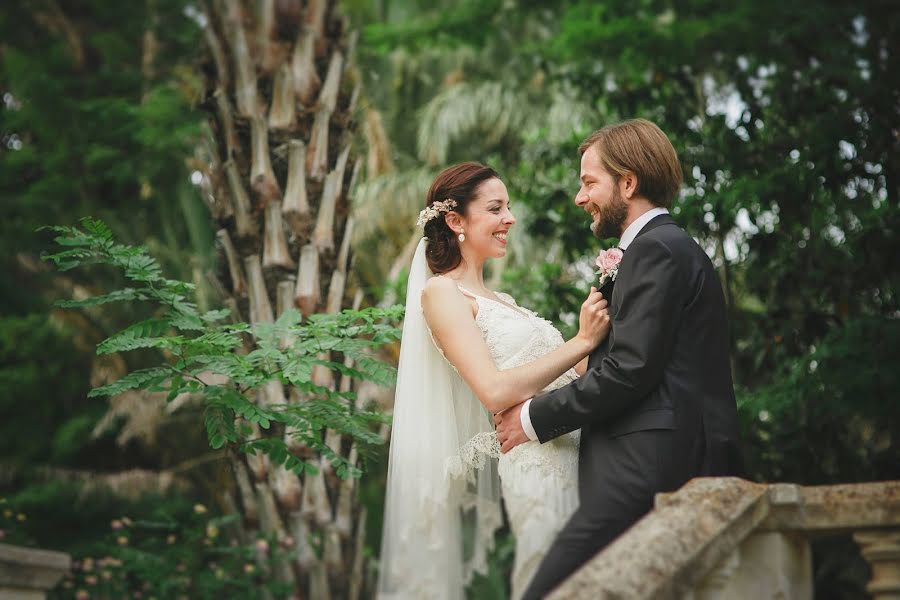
(593, 326)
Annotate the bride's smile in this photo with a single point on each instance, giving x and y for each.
(487, 222)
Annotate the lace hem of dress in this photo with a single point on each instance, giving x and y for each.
(429, 578)
(473, 455)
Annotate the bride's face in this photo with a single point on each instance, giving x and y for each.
(488, 220)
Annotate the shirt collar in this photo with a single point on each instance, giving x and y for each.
(635, 228)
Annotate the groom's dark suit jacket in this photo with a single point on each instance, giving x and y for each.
(656, 406)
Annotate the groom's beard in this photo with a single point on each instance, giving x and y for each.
(612, 217)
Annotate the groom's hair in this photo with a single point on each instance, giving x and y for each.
(642, 148)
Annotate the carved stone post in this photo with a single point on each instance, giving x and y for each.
(28, 574)
(881, 549)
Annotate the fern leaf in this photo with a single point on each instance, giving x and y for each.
(122, 295)
(136, 379)
(219, 427)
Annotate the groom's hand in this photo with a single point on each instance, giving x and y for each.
(509, 428)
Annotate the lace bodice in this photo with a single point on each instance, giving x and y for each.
(516, 335)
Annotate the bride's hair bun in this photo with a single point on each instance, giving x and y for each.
(460, 183)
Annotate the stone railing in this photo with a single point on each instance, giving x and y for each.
(28, 573)
(729, 538)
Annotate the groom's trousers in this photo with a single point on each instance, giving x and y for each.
(623, 475)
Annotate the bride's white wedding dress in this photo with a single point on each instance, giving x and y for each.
(442, 503)
(539, 482)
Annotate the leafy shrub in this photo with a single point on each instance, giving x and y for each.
(197, 346)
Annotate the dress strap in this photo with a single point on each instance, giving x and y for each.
(511, 304)
(462, 289)
(467, 292)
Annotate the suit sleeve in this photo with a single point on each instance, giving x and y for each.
(652, 289)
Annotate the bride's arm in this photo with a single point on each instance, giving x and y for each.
(449, 316)
(581, 367)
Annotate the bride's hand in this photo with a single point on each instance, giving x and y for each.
(593, 323)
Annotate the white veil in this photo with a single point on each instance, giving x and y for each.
(442, 505)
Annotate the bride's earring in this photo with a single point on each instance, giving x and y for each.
(461, 237)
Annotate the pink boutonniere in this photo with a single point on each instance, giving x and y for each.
(608, 263)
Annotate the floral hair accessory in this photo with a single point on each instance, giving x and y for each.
(608, 262)
(435, 209)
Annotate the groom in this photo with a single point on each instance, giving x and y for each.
(656, 406)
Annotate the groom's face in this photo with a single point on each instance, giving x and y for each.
(600, 196)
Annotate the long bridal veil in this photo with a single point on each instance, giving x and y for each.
(442, 505)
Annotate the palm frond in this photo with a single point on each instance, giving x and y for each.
(487, 108)
(569, 116)
(388, 205)
(426, 65)
(379, 160)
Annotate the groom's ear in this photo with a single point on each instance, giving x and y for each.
(628, 184)
(454, 222)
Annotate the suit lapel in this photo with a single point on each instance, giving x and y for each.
(608, 288)
(657, 221)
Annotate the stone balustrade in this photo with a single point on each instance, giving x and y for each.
(730, 538)
(28, 573)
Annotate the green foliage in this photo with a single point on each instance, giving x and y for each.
(33, 353)
(93, 121)
(65, 516)
(167, 557)
(12, 521)
(494, 585)
(199, 345)
(172, 551)
(830, 413)
(71, 437)
(446, 27)
(99, 131)
(548, 290)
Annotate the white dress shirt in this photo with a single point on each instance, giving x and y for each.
(627, 237)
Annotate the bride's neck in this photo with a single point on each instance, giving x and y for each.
(469, 274)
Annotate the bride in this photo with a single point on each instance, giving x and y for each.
(468, 352)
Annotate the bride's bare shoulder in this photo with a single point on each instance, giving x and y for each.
(442, 296)
(440, 287)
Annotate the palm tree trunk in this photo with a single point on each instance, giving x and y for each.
(280, 92)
